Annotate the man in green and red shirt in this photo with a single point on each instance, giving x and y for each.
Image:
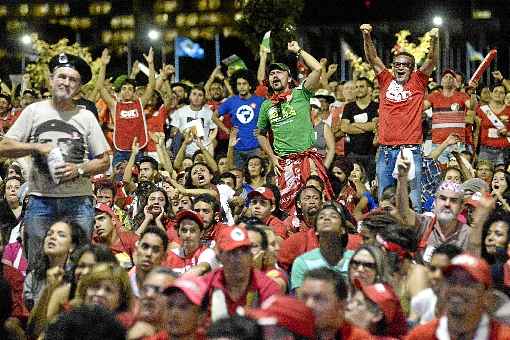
(287, 114)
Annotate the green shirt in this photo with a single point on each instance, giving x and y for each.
(314, 259)
(292, 127)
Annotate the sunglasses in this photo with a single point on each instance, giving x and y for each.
(367, 265)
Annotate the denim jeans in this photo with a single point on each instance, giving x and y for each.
(241, 157)
(42, 212)
(444, 157)
(386, 158)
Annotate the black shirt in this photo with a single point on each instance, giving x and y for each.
(360, 144)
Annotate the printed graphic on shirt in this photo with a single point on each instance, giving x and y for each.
(396, 93)
(245, 114)
(63, 135)
(279, 115)
(128, 114)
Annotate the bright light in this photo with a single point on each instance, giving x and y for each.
(437, 21)
(26, 39)
(153, 35)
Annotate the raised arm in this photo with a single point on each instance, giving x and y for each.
(431, 61)
(152, 77)
(402, 202)
(107, 97)
(215, 74)
(370, 51)
(261, 70)
(127, 178)
(313, 79)
(166, 74)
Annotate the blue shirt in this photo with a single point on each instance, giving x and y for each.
(314, 259)
(245, 114)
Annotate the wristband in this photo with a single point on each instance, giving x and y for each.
(299, 51)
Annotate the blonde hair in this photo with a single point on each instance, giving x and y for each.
(111, 272)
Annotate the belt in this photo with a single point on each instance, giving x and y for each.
(402, 146)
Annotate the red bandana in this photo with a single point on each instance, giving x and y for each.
(281, 97)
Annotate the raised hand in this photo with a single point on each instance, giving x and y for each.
(403, 166)
(149, 57)
(135, 146)
(366, 28)
(293, 46)
(105, 57)
(332, 68)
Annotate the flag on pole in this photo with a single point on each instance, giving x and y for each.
(185, 47)
(473, 54)
(266, 41)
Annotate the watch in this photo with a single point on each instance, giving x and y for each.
(80, 171)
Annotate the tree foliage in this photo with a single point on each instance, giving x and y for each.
(278, 16)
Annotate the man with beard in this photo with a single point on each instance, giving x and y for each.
(7, 116)
(243, 109)
(306, 239)
(151, 317)
(215, 93)
(400, 111)
(147, 169)
(449, 115)
(62, 128)
(466, 294)
(443, 226)
(287, 115)
(308, 203)
(208, 208)
(359, 123)
(150, 251)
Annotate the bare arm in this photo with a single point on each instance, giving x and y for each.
(209, 159)
(330, 146)
(10, 148)
(152, 77)
(402, 203)
(312, 81)
(450, 140)
(266, 147)
(480, 215)
(431, 61)
(351, 128)
(216, 119)
(261, 70)
(109, 100)
(370, 51)
(127, 178)
(216, 74)
(181, 153)
(232, 141)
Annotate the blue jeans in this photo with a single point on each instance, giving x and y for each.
(42, 212)
(241, 157)
(444, 157)
(386, 158)
(497, 156)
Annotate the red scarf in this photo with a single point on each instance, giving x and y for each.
(281, 97)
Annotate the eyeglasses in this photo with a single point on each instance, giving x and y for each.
(367, 265)
(146, 289)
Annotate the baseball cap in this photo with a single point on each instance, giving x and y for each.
(72, 61)
(387, 300)
(188, 214)
(192, 286)
(278, 66)
(285, 311)
(264, 192)
(315, 102)
(104, 208)
(448, 71)
(476, 267)
(230, 238)
(475, 185)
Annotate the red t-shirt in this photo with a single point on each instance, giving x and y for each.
(401, 108)
(227, 119)
(125, 243)
(260, 289)
(155, 123)
(488, 132)
(350, 332)
(296, 245)
(448, 115)
(427, 331)
(279, 227)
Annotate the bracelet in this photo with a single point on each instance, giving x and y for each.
(299, 51)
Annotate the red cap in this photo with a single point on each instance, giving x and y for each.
(475, 266)
(192, 286)
(230, 238)
(106, 209)
(475, 198)
(285, 311)
(188, 214)
(449, 71)
(387, 300)
(264, 192)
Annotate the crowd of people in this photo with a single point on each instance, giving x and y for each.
(256, 205)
